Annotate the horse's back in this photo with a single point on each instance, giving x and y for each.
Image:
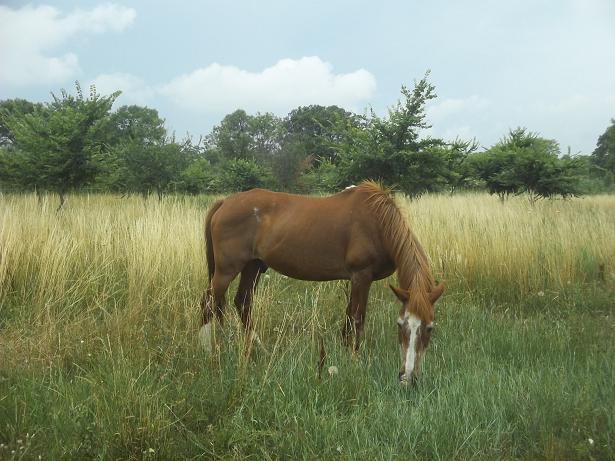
(304, 237)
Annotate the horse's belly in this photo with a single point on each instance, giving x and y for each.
(305, 262)
(306, 273)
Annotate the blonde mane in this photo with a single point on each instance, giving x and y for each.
(412, 265)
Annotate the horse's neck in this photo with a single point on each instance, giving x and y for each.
(412, 266)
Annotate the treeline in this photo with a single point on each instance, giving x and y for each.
(77, 142)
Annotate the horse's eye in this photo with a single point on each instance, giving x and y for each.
(400, 322)
(430, 327)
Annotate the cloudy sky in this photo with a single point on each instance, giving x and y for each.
(548, 65)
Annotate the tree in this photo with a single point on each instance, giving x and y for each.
(198, 177)
(62, 141)
(16, 170)
(495, 168)
(525, 162)
(138, 158)
(290, 162)
(265, 134)
(152, 168)
(242, 174)
(136, 124)
(603, 157)
(458, 172)
(243, 136)
(390, 149)
(232, 136)
(13, 108)
(319, 129)
(320, 178)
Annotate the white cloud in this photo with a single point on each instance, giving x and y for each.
(285, 85)
(134, 89)
(458, 117)
(455, 107)
(30, 35)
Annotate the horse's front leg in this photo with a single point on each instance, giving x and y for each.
(355, 311)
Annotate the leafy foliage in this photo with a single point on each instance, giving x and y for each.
(74, 142)
(525, 162)
(13, 108)
(319, 130)
(241, 174)
(603, 157)
(391, 150)
(62, 141)
(242, 136)
(321, 178)
(141, 159)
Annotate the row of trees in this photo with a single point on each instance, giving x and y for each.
(77, 141)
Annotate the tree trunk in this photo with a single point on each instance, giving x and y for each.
(61, 206)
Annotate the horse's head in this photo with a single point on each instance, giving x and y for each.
(415, 325)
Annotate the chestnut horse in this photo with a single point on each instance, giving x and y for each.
(358, 234)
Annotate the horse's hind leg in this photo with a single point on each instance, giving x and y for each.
(250, 276)
(213, 302)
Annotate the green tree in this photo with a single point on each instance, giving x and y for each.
(242, 174)
(496, 168)
(525, 162)
(310, 135)
(13, 108)
(199, 177)
(136, 123)
(320, 178)
(265, 133)
(136, 134)
(62, 141)
(458, 172)
(390, 149)
(16, 170)
(290, 162)
(232, 137)
(319, 129)
(603, 157)
(152, 168)
(244, 136)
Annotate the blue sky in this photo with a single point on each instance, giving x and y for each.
(548, 65)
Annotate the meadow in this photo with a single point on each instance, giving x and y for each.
(99, 354)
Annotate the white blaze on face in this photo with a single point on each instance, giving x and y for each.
(413, 324)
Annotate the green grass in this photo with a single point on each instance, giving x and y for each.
(99, 356)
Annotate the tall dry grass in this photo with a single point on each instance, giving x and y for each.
(121, 259)
(99, 355)
(478, 243)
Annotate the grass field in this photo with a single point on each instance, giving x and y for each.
(99, 355)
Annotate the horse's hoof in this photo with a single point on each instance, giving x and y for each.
(404, 380)
(205, 338)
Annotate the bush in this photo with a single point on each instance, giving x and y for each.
(242, 174)
(321, 179)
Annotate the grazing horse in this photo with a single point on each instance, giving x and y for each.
(358, 234)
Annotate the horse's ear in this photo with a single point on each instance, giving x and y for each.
(402, 295)
(436, 292)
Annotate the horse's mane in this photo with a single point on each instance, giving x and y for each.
(412, 265)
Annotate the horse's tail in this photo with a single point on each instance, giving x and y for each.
(209, 245)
